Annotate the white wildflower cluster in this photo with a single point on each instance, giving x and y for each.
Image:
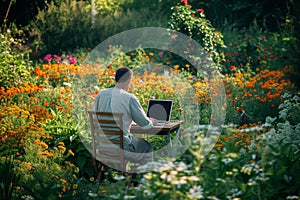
(174, 173)
(196, 192)
(261, 177)
(197, 129)
(228, 126)
(227, 160)
(293, 197)
(67, 84)
(234, 193)
(119, 177)
(252, 129)
(285, 137)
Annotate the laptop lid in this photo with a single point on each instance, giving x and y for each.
(160, 109)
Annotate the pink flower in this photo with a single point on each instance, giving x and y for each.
(48, 57)
(185, 2)
(160, 53)
(72, 60)
(57, 57)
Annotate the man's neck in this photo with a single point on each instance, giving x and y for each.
(121, 86)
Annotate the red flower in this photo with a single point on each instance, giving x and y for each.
(233, 101)
(232, 67)
(239, 109)
(185, 2)
(200, 10)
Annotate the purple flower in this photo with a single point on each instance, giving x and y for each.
(160, 54)
(37, 53)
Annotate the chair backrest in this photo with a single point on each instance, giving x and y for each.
(107, 138)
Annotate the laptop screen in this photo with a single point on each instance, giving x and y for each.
(160, 109)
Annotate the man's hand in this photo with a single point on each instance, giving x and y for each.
(154, 121)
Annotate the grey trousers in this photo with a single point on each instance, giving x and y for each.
(139, 151)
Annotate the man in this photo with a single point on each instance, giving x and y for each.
(118, 100)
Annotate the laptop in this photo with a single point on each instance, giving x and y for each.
(160, 110)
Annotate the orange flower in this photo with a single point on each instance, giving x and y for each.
(232, 67)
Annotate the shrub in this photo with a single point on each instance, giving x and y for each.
(69, 25)
(14, 59)
(283, 148)
(194, 24)
(256, 49)
(63, 27)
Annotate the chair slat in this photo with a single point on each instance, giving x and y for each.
(107, 141)
(107, 132)
(107, 121)
(108, 151)
(109, 159)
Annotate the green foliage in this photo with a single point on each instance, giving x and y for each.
(8, 178)
(106, 7)
(194, 24)
(61, 125)
(14, 62)
(256, 49)
(69, 25)
(58, 23)
(283, 146)
(242, 13)
(66, 129)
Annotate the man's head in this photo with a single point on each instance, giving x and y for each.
(123, 77)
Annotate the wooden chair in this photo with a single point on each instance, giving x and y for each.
(107, 143)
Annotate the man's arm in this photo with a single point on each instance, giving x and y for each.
(138, 114)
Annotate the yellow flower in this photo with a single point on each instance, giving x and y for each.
(63, 181)
(61, 143)
(63, 149)
(71, 152)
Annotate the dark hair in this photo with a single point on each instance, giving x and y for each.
(123, 74)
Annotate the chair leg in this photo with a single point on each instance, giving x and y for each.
(129, 182)
(100, 175)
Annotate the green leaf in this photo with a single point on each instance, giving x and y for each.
(81, 162)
